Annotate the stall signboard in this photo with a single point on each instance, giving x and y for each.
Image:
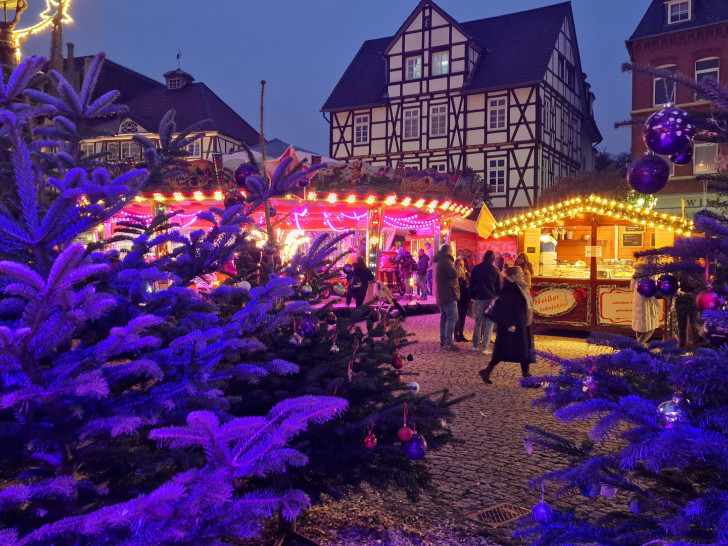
(632, 239)
(593, 252)
(614, 305)
(553, 302)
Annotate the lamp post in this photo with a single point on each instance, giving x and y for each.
(8, 44)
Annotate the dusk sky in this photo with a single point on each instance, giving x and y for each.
(301, 48)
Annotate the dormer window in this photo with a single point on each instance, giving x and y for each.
(414, 68)
(174, 83)
(678, 11)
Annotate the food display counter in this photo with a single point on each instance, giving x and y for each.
(582, 252)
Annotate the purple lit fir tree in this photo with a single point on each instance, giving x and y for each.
(659, 440)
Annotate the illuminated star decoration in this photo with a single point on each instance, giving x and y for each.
(53, 9)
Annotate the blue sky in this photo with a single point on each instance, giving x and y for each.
(302, 47)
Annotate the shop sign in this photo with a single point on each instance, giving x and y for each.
(552, 302)
(615, 305)
(593, 252)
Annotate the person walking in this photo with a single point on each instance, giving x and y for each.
(423, 264)
(646, 311)
(360, 279)
(430, 268)
(686, 311)
(513, 312)
(464, 300)
(485, 285)
(446, 295)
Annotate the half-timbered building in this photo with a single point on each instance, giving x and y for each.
(505, 96)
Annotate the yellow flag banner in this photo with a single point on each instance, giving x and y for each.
(485, 224)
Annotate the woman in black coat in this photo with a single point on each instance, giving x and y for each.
(464, 301)
(360, 279)
(513, 313)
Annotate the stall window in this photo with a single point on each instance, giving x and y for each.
(497, 113)
(361, 129)
(497, 175)
(113, 150)
(194, 149)
(704, 157)
(411, 123)
(664, 90)
(87, 149)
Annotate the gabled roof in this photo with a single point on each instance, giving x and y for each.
(516, 49)
(704, 12)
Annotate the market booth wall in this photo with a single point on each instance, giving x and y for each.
(582, 252)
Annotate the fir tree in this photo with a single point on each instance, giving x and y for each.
(659, 414)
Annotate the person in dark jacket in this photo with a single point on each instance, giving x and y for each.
(423, 263)
(513, 313)
(360, 279)
(686, 310)
(485, 285)
(464, 301)
(446, 295)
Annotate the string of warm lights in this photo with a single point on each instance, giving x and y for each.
(330, 197)
(53, 9)
(595, 205)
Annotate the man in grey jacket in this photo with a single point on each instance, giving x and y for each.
(447, 293)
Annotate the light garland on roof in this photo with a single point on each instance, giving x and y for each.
(595, 205)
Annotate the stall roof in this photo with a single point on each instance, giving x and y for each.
(598, 206)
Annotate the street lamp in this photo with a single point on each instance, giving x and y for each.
(8, 46)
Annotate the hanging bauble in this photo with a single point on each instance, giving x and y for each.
(542, 512)
(607, 490)
(590, 490)
(303, 182)
(338, 289)
(278, 304)
(348, 269)
(672, 412)
(442, 422)
(647, 287)
(374, 315)
(370, 441)
(416, 448)
(331, 319)
(308, 325)
(648, 174)
(635, 505)
(272, 211)
(334, 348)
(244, 286)
(708, 300)
(398, 362)
(405, 433)
(244, 171)
(550, 389)
(233, 198)
(410, 357)
(394, 313)
(715, 331)
(668, 131)
(667, 285)
(682, 158)
(589, 387)
(306, 289)
(295, 340)
(413, 387)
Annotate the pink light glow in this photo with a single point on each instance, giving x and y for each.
(297, 215)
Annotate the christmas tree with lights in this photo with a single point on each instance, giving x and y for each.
(659, 437)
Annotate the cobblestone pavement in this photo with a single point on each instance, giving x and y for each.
(488, 463)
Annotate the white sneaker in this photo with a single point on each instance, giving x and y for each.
(486, 351)
(472, 348)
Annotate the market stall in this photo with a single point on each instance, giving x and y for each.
(582, 252)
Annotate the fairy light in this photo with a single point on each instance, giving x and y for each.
(199, 196)
(331, 198)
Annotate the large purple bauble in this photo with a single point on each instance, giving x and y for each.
(590, 490)
(308, 325)
(648, 174)
(668, 131)
(682, 158)
(416, 448)
(542, 512)
(667, 285)
(647, 288)
(348, 269)
(244, 171)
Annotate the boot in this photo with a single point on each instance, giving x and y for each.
(485, 373)
(525, 368)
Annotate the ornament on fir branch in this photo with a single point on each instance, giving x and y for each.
(590, 490)
(303, 182)
(306, 289)
(397, 362)
(668, 131)
(375, 315)
(635, 505)
(708, 300)
(647, 287)
(416, 448)
(648, 174)
(410, 357)
(334, 348)
(269, 248)
(348, 269)
(714, 330)
(682, 158)
(243, 172)
(542, 512)
(607, 490)
(338, 289)
(233, 198)
(278, 304)
(667, 285)
(672, 411)
(272, 211)
(414, 387)
(589, 386)
(295, 340)
(245, 286)
(442, 422)
(331, 318)
(308, 325)
(405, 433)
(370, 440)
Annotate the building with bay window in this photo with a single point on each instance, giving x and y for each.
(505, 96)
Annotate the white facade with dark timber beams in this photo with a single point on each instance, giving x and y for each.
(505, 96)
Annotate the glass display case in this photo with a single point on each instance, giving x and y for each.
(610, 268)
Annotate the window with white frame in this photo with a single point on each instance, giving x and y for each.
(112, 148)
(414, 68)
(438, 121)
(664, 89)
(440, 167)
(361, 129)
(129, 127)
(678, 11)
(87, 149)
(704, 157)
(174, 83)
(411, 128)
(130, 149)
(193, 149)
(497, 175)
(440, 63)
(497, 113)
(707, 68)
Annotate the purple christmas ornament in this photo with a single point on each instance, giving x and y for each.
(668, 131)
(416, 448)
(648, 174)
(348, 269)
(667, 285)
(244, 171)
(308, 325)
(542, 512)
(647, 287)
(682, 158)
